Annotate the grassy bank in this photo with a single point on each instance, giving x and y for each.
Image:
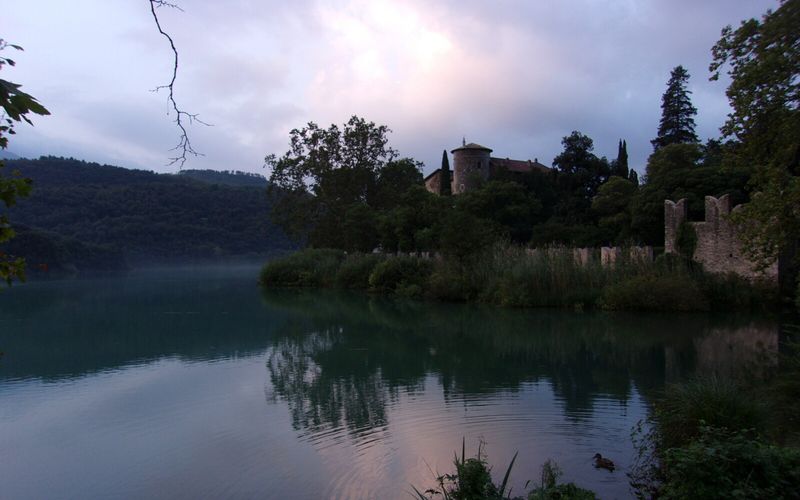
(513, 276)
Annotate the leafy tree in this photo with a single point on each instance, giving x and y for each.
(677, 112)
(394, 179)
(577, 154)
(676, 171)
(323, 174)
(581, 173)
(413, 225)
(445, 184)
(612, 204)
(762, 58)
(505, 203)
(678, 156)
(360, 228)
(17, 106)
(633, 177)
(464, 235)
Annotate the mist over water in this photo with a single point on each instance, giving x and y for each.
(192, 383)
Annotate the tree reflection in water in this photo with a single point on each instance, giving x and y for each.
(346, 357)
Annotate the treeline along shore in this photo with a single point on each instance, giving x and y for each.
(507, 275)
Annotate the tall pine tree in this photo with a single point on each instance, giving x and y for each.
(445, 189)
(677, 112)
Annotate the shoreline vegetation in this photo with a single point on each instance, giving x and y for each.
(512, 276)
(707, 438)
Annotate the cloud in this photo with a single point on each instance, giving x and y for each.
(514, 75)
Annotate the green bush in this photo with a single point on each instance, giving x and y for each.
(405, 276)
(356, 269)
(686, 408)
(653, 292)
(309, 267)
(730, 292)
(721, 464)
(448, 283)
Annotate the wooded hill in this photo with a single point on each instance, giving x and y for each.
(78, 208)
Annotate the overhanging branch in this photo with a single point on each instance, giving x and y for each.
(184, 147)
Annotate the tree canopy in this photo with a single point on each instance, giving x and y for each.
(762, 58)
(327, 171)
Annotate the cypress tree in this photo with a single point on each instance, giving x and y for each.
(621, 163)
(677, 112)
(444, 176)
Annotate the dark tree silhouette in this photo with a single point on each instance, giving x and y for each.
(620, 166)
(445, 188)
(677, 113)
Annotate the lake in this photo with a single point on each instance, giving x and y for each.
(193, 383)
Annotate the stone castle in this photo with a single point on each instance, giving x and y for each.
(718, 247)
(473, 163)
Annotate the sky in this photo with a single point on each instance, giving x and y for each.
(513, 75)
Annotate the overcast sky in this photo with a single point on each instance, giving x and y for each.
(515, 76)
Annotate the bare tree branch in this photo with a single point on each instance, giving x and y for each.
(184, 146)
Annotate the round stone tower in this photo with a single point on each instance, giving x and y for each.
(470, 164)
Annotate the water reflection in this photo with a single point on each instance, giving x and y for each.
(164, 375)
(353, 354)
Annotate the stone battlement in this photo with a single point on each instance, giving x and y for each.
(718, 247)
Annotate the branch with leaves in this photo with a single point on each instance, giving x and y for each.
(16, 105)
(184, 147)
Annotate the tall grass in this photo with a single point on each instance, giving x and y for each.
(513, 276)
(708, 402)
(472, 480)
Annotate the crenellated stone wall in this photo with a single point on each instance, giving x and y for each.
(718, 247)
(674, 216)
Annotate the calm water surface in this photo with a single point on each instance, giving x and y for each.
(193, 384)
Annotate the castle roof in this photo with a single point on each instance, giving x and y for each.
(517, 165)
(432, 174)
(472, 146)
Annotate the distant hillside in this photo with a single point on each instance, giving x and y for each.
(226, 177)
(148, 217)
(7, 155)
(49, 254)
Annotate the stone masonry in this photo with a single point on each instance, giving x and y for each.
(718, 247)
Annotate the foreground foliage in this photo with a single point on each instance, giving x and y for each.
(762, 59)
(17, 106)
(713, 438)
(730, 464)
(472, 480)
